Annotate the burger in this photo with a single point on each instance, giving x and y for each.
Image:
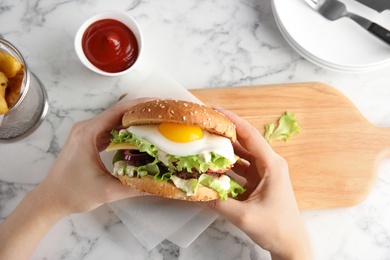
(176, 149)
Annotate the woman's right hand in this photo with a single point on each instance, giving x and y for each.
(269, 213)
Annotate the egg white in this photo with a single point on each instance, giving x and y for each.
(209, 143)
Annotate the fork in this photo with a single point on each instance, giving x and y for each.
(334, 9)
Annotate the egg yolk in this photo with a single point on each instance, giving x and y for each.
(180, 133)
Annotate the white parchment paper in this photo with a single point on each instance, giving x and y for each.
(153, 219)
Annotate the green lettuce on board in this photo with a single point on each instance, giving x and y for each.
(287, 127)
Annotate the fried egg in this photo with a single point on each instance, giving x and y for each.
(184, 140)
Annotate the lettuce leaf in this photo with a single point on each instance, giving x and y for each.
(121, 167)
(143, 170)
(125, 136)
(177, 163)
(190, 186)
(191, 162)
(287, 126)
(214, 184)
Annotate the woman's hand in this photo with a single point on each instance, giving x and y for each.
(77, 182)
(268, 213)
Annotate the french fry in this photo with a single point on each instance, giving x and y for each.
(13, 90)
(3, 87)
(3, 83)
(11, 79)
(9, 65)
(3, 106)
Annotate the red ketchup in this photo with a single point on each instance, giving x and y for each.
(110, 45)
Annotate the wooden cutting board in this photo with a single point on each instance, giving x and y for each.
(333, 160)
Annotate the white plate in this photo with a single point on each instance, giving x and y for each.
(339, 45)
(320, 62)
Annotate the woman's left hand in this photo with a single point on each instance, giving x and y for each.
(78, 180)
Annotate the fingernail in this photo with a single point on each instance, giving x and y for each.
(218, 108)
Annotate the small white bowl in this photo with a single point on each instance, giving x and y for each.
(115, 15)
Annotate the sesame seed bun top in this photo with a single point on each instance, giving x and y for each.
(180, 112)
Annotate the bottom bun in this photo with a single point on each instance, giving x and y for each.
(167, 189)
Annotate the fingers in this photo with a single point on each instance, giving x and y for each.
(112, 117)
(230, 209)
(103, 140)
(241, 167)
(99, 128)
(241, 151)
(113, 190)
(250, 138)
(120, 191)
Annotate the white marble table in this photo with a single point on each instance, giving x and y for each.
(202, 44)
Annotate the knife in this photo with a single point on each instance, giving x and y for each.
(378, 5)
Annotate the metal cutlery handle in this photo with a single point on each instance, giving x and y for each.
(380, 32)
(374, 28)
